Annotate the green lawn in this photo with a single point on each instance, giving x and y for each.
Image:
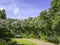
(23, 42)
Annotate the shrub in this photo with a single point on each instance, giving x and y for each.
(52, 40)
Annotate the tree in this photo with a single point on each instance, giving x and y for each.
(55, 6)
(2, 14)
(43, 15)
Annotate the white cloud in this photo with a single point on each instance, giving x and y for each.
(1, 8)
(16, 10)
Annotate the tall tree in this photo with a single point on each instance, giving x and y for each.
(55, 6)
(2, 14)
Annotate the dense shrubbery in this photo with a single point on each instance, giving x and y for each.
(52, 40)
(3, 42)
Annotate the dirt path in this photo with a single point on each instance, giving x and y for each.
(38, 42)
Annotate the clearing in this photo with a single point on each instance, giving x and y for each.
(36, 41)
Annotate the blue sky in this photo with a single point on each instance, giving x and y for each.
(22, 9)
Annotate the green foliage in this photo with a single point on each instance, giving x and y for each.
(2, 14)
(3, 42)
(55, 5)
(4, 29)
(52, 40)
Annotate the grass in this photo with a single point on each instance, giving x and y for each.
(59, 44)
(23, 42)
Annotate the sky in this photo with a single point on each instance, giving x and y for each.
(22, 9)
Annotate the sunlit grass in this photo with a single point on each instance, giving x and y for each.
(22, 41)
